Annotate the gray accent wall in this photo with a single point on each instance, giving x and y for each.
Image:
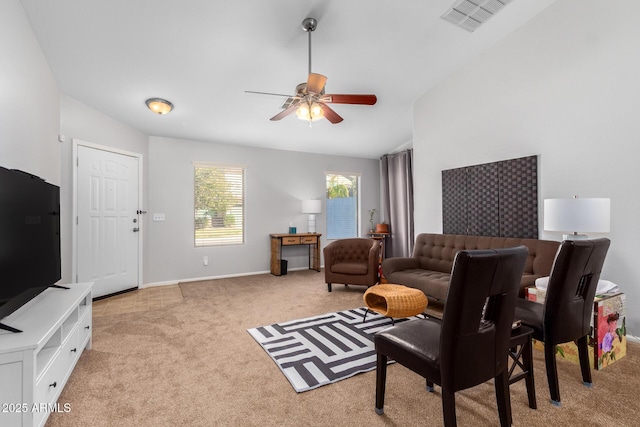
(276, 183)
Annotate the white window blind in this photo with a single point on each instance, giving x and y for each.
(343, 205)
(219, 204)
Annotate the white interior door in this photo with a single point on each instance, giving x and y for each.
(108, 224)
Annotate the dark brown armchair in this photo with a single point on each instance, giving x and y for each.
(351, 262)
(470, 345)
(566, 313)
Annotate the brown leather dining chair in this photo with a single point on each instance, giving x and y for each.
(351, 262)
(566, 313)
(470, 345)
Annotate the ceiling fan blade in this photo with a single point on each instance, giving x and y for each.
(315, 83)
(266, 93)
(350, 99)
(330, 115)
(284, 113)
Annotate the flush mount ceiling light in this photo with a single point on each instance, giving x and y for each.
(159, 105)
(470, 14)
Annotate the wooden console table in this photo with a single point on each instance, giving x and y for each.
(280, 240)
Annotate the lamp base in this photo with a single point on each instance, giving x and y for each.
(312, 223)
(574, 236)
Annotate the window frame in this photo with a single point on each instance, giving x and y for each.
(221, 240)
(358, 207)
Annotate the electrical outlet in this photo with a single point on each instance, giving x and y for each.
(205, 260)
(158, 217)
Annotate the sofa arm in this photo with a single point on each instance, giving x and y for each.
(391, 265)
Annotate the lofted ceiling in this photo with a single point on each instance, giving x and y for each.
(203, 54)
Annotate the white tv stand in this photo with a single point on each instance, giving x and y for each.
(36, 363)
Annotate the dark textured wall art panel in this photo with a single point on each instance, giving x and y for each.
(454, 201)
(519, 197)
(492, 199)
(482, 200)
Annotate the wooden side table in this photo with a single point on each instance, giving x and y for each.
(278, 241)
(382, 238)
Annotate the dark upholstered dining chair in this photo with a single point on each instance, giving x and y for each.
(566, 313)
(351, 262)
(470, 345)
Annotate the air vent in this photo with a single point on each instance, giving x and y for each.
(470, 14)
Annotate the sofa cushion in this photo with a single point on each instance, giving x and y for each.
(434, 284)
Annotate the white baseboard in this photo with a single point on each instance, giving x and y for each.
(223, 276)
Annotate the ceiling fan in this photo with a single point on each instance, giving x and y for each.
(310, 100)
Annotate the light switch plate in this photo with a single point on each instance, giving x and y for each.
(158, 217)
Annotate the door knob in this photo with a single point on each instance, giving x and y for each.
(136, 229)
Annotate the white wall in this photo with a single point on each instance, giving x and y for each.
(79, 121)
(565, 87)
(29, 109)
(276, 183)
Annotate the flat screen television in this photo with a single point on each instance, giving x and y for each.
(29, 239)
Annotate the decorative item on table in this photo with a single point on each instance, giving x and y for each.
(608, 340)
(577, 215)
(292, 229)
(312, 207)
(372, 212)
(382, 228)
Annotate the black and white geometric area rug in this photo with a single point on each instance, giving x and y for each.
(323, 349)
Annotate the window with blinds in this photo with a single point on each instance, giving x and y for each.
(219, 204)
(343, 205)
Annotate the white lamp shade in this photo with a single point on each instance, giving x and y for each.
(311, 206)
(577, 215)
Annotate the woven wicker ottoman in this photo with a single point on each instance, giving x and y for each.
(394, 300)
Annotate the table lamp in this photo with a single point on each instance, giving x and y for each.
(312, 207)
(577, 215)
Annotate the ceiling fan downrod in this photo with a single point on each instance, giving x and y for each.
(309, 25)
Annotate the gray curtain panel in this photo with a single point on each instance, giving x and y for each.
(396, 172)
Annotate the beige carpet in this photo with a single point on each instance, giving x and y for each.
(194, 364)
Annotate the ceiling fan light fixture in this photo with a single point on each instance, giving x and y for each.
(310, 111)
(159, 105)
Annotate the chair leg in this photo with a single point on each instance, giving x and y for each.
(503, 397)
(527, 361)
(329, 286)
(449, 408)
(381, 379)
(583, 353)
(430, 387)
(552, 372)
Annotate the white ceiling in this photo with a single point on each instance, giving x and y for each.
(203, 54)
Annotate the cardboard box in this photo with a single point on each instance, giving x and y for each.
(607, 341)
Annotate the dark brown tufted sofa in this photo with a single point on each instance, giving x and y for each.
(430, 266)
(351, 262)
